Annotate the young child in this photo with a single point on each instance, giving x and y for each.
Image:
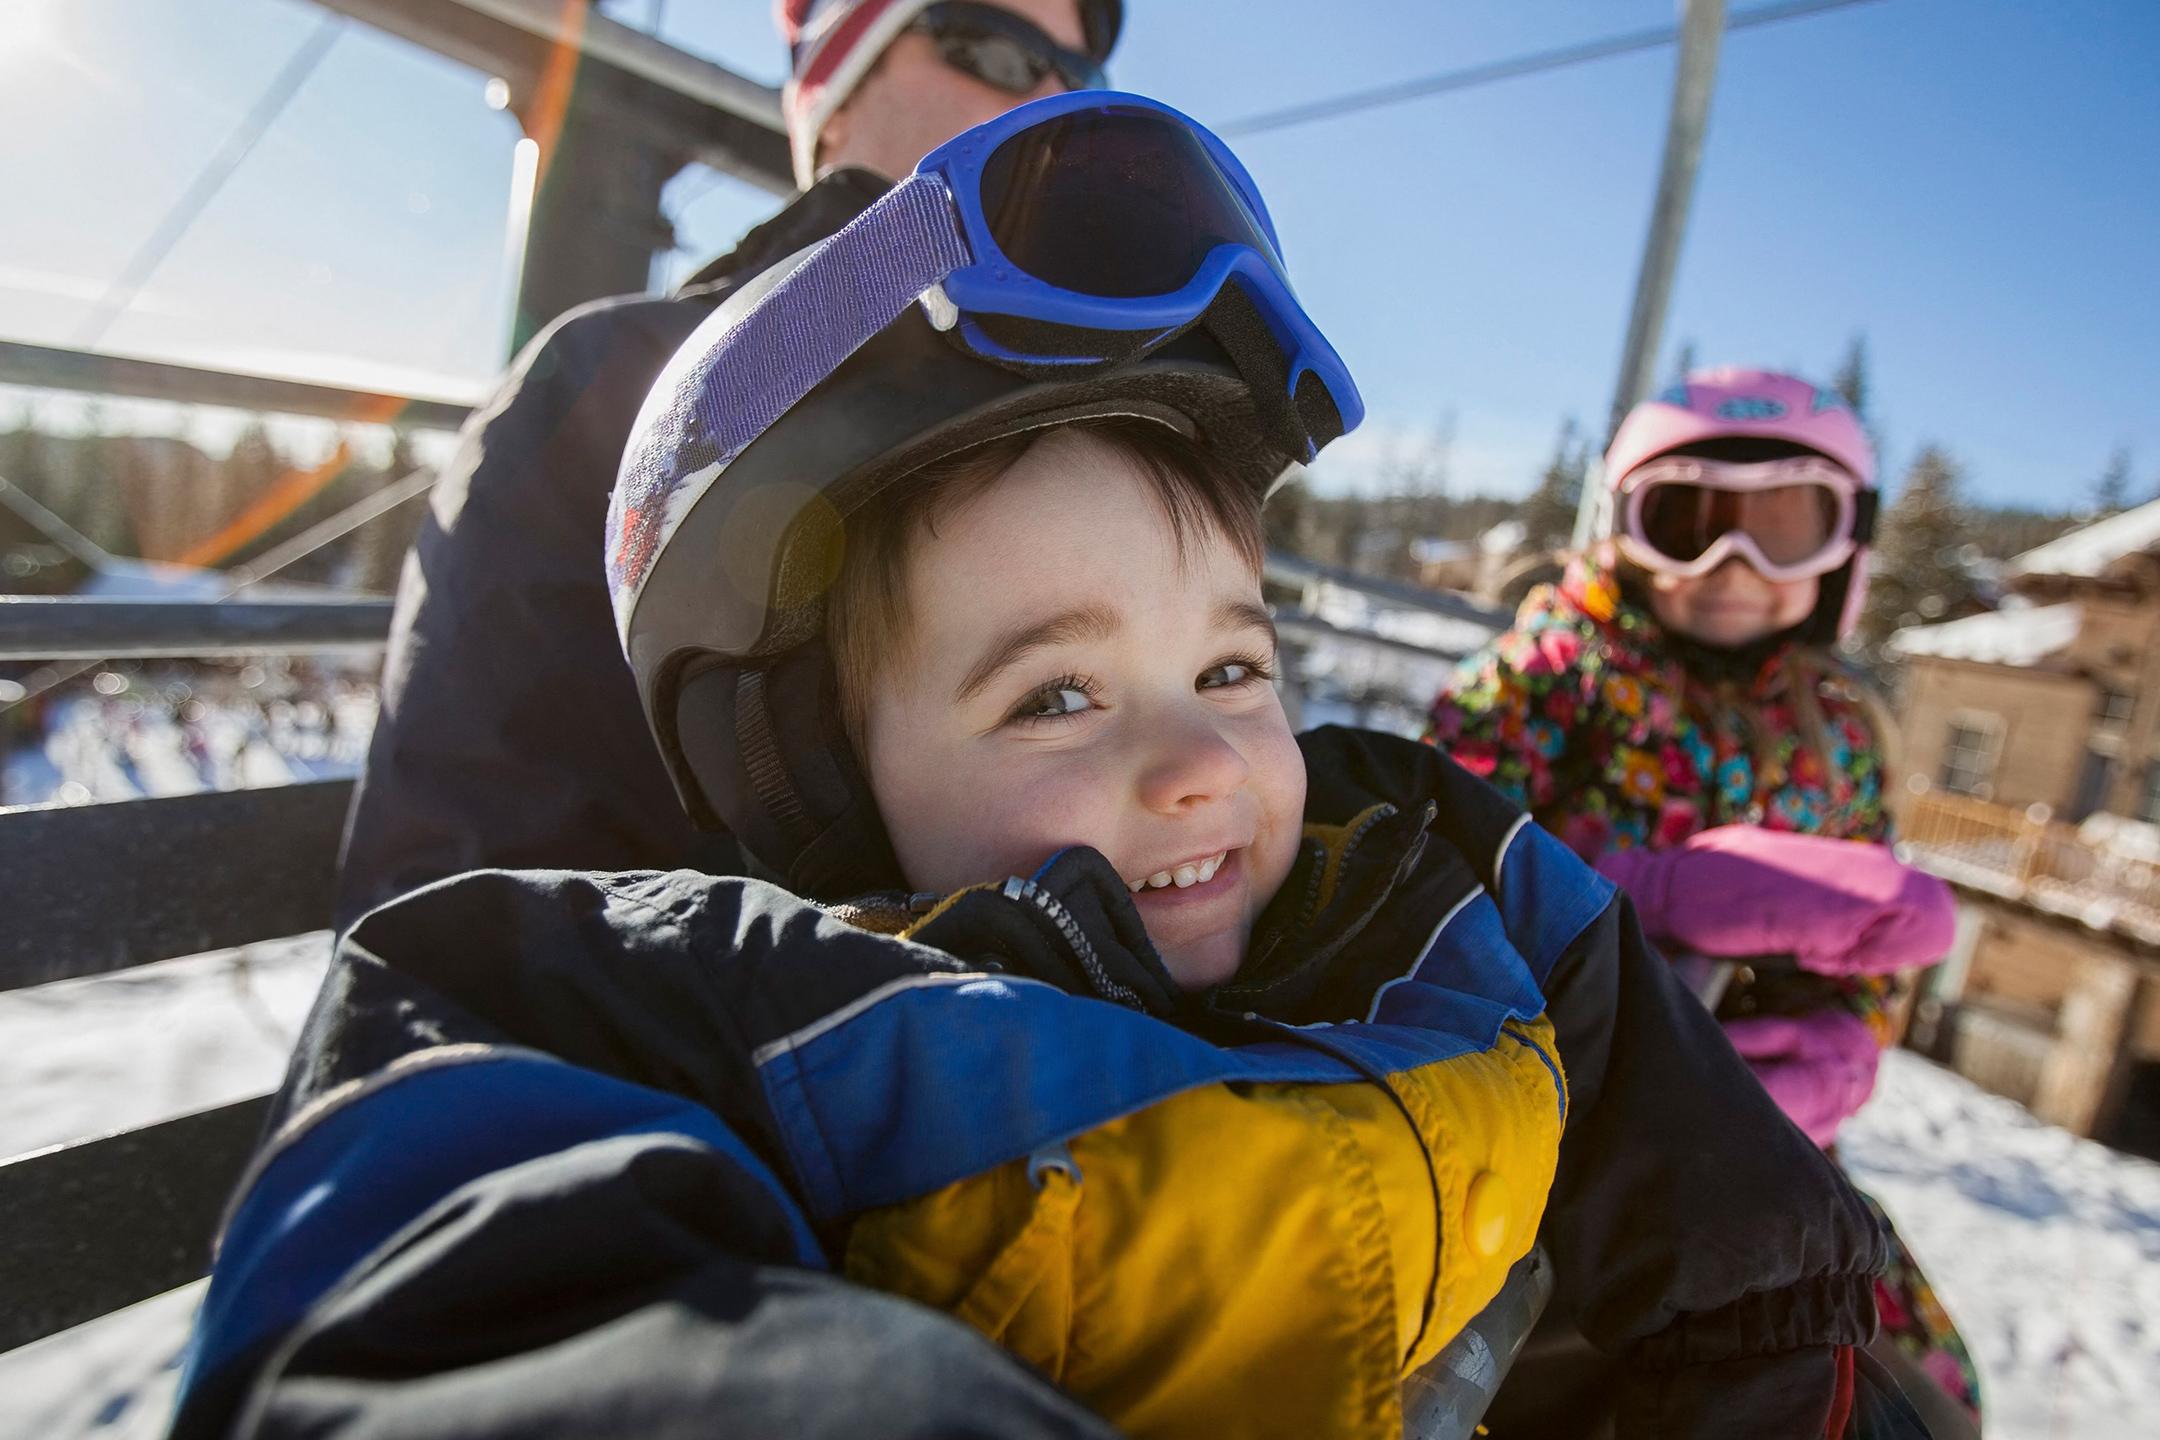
(1673, 711)
(1212, 1073)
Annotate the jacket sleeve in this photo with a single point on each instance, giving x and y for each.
(519, 1184)
(1696, 1234)
(510, 732)
(1511, 712)
(1694, 1228)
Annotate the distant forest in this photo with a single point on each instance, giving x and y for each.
(164, 499)
(161, 498)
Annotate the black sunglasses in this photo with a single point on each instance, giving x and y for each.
(1000, 48)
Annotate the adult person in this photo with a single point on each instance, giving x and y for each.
(510, 732)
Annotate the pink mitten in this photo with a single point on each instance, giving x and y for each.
(1838, 907)
(1820, 1068)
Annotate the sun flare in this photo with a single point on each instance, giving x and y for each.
(25, 26)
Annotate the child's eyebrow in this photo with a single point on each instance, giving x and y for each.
(1246, 615)
(1083, 622)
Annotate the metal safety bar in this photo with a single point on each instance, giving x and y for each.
(92, 372)
(45, 628)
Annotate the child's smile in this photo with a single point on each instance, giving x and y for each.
(1732, 605)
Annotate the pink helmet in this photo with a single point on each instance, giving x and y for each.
(1733, 403)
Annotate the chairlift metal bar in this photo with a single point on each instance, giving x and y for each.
(90, 889)
(1299, 625)
(89, 372)
(43, 628)
(88, 1228)
(725, 120)
(643, 55)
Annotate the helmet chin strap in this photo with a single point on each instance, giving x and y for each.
(794, 796)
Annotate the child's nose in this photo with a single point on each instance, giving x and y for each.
(1188, 763)
(1734, 570)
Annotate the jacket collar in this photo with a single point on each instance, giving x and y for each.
(1344, 876)
(1338, 893)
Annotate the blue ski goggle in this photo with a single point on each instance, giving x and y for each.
(1099, 225)
(1076, 230)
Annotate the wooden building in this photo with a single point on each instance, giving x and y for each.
(2053, 699)
(2031, 745)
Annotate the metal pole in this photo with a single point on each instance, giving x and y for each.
(1702, 30)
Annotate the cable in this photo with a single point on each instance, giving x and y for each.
(351, 518)
(1451, 80)
(209, 181)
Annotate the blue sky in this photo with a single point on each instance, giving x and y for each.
(1969, 182)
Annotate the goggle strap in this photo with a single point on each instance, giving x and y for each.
(1865, 505)
(831, 305)
(1305, 421)
(1021, 340)
(827, 308)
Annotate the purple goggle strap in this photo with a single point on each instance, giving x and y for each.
(798, 333)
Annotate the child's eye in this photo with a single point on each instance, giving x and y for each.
(1228, 674)
(1060, 698)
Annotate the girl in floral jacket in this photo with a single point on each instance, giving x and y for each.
(1673, 711)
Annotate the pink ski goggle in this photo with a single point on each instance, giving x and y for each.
(1791, 519)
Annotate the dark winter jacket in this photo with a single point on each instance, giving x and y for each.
(573, 1154)
(510, 733)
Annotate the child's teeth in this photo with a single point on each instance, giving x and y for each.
(1187, 876)
(1208, 868)
(1137, 885)
(1159, 879)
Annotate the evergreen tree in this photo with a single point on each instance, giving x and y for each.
(1288, 517)
(1548, 515)
(1683, 361)
(96, 486)
(1853, 381)
(402, 460)
(2111, 492)
(253, 465)
(22, 451)
(1919, 573)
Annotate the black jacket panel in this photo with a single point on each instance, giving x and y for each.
(510, 733)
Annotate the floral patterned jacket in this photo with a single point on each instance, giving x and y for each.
(1582, 714)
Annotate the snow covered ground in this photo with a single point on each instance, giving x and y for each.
(175, 729)
(87, 1057)
(2045, 1247)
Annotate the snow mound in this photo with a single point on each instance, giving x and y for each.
(2045, 1249)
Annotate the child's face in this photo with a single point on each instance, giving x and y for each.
(1075, 680)
(1733, 605)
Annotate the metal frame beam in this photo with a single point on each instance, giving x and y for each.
(88, 372)
(89, 889)
(36, 627)
(681, 101)
(90, 1227)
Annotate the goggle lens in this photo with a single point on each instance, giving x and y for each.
(1790, 524)
(1113, 202)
